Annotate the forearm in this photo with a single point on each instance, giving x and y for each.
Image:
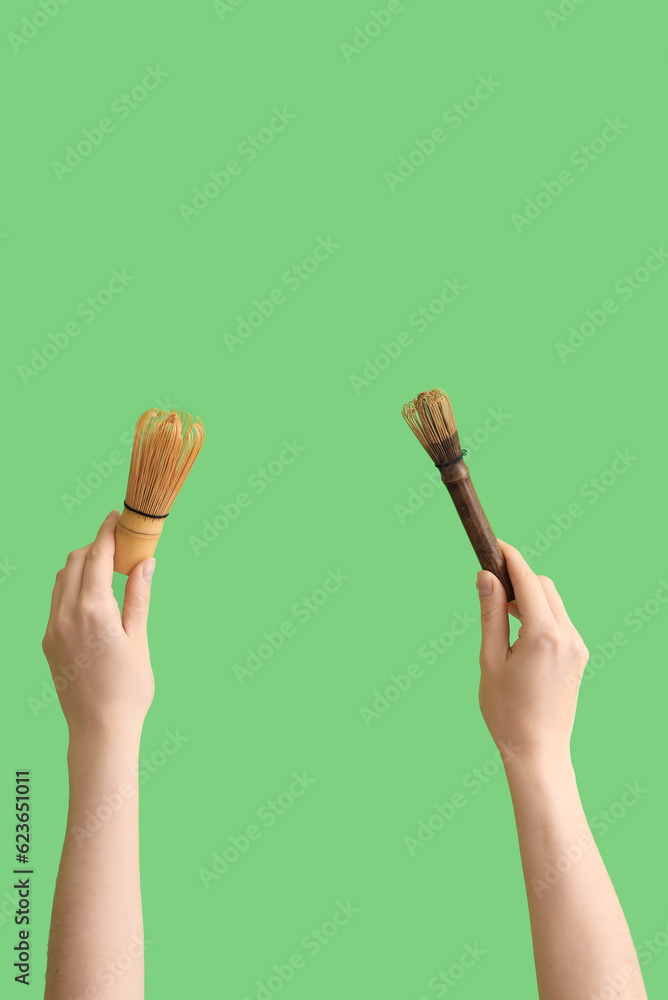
(96, 938)
(581, 940)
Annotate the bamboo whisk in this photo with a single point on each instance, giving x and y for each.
(165, 447)
(431, 419)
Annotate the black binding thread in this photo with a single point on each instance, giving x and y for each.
(154, 517)
(454, 461)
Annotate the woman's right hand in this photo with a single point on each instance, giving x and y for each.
(528, 691)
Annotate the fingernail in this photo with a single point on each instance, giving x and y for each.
(110, 513)
(147, 571)
(484, 584)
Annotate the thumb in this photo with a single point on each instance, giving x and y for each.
(494, 619)
(137, 598)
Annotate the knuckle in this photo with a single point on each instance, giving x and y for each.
(74, 554)
(89, 608)
(579, 650)
(62, 623)
(549, 639)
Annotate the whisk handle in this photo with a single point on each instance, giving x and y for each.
(458, 481)
(136, 539)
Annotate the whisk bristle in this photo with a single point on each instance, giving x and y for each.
(431, 419)
(165, 446)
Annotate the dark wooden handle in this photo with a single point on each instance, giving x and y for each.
(458, 481)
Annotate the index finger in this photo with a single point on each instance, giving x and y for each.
(99, 568)
(532, 604)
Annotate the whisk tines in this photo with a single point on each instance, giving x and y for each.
(165, 447)
(431, 419)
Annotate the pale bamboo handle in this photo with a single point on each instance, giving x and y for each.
(136, 539)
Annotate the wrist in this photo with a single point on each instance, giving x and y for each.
(105, 743)
(545, 794)
(542, 770)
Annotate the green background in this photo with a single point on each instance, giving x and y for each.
(340, 504)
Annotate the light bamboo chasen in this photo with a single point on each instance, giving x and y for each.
(165, 446)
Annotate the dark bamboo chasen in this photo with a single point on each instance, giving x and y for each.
(431, 419)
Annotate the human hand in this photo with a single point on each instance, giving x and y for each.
(99, 662)
(528, 691)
